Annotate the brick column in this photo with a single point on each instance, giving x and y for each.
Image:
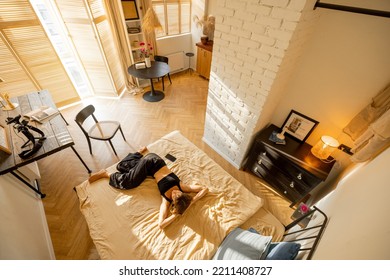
(256, 44)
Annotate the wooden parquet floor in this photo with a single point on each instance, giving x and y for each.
(143, 122)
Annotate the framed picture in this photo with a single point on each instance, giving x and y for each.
(130, 10)
(299, 126)
(4, 143)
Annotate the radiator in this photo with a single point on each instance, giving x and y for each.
(176, 61)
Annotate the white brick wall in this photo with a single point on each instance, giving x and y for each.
(256, 44)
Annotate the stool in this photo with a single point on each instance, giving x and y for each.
(189, 54)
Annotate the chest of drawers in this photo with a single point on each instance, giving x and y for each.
(291, 169)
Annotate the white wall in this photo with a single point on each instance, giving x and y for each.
(345, 63)
(358, 211)
(174, 44)
(185, 43)
(255, 48)
(24, 232)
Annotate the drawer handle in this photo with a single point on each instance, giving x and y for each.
(255, 169)
(264, 153)
(285, 192)
(260, 161)
(299, 176)
(292, 184)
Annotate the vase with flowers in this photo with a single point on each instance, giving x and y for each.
(207, 23)
(301, 211)
(303, 208)
(146, 51)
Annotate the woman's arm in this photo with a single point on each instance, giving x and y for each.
(200, 190)
(163, 219)
(168, 221)
(200, 194)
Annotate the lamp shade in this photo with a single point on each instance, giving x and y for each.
(324, 147)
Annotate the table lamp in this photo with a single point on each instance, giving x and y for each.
(324, 147)
(8, 104)
(5, 97)
(280, 135)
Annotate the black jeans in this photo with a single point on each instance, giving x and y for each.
(134, 169)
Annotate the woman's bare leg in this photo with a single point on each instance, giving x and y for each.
(142, 150)
(98, 175)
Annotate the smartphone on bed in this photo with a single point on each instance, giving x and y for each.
(170, 157)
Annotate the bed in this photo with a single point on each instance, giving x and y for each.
(123, 224)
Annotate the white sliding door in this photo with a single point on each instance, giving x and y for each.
(78, 20)
(89, 29)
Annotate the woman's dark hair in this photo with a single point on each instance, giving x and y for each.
(181, 203)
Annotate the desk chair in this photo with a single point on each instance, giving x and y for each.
(103, 130)
(163, 59)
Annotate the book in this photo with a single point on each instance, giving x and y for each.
(42, 113)
(275, 139)
(140, 65)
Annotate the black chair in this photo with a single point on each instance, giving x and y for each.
(99, 130)
(163, 59)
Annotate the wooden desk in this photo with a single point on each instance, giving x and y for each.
(157, 70)
(55, 130)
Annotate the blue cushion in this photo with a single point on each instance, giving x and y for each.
(243, 245)
(283, 251)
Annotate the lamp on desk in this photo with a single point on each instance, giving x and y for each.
(324, 148)
(5, 102)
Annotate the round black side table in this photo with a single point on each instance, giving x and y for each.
(157, 70)
(189, 54)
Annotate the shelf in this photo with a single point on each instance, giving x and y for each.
(135, 36)
(132, 20)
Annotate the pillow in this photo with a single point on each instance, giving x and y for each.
(253, 230)
(243, 245)
(283, 251)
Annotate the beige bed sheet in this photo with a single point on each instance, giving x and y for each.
(124, 223)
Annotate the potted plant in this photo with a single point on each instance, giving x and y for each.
(146, 50)
(207, 23)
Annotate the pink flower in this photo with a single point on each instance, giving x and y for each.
(146, 49)
(303, 208)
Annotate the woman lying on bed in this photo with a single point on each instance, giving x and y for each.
(134, 169)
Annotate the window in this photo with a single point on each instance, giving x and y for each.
(60, 43)
(174, 16)
(28, 61)
(87, 31)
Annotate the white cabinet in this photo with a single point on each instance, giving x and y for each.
(24, 232)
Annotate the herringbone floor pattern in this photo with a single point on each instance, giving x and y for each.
(182, 109)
